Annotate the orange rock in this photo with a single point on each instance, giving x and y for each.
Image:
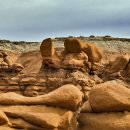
(109, 97)
(3, 118)
(73, 45)
(67, 96)
(74, 60)
(119, 63)
(94, 54)
(104, 121)
(47, 48)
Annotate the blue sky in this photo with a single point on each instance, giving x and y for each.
(34, 20)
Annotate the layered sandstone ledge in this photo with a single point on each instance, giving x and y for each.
(71, 84)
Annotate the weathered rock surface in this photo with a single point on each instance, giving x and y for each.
(74, 60)
(47, 48)
(104, 121)
(119, 64)
(3, 118)
(44, 73)
(109, 97)
(94, 54)
(38, 116)
(73, 45)
(67, 96)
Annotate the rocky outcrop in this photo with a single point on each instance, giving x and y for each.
(31, 113)
(104, 106)
(8, 65)
(50, 89)
(73, 45)
(109, 96)
(119, 64)
(94, 55)
(47, 48)
(74, 60)
(104, 121)
(39, 117)
(67, 96)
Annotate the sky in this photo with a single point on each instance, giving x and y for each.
(35, 20)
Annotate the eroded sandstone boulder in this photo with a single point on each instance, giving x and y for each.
(119, 64)
(81, 79)
(109, 97)
(73, 45)
(67, 96)
(74, 60)
(51, 62)
(47, 48)
(45, 120)
(94, 54)
(104, 121)
(40, 116)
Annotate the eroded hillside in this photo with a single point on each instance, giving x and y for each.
(65, 84)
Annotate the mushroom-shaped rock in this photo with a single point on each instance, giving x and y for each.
(73, 45)
(47, 48)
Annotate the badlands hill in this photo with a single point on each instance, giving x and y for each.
(26, 52)
(65, 84)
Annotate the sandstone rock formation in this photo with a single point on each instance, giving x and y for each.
(38, 117)
(119, 64)
(104, 121)
(109, 97)
(94, 54)
(67, 96)
(47, 48)
(74, 60)
(51, 62)
(73, 45)
(61, 88)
